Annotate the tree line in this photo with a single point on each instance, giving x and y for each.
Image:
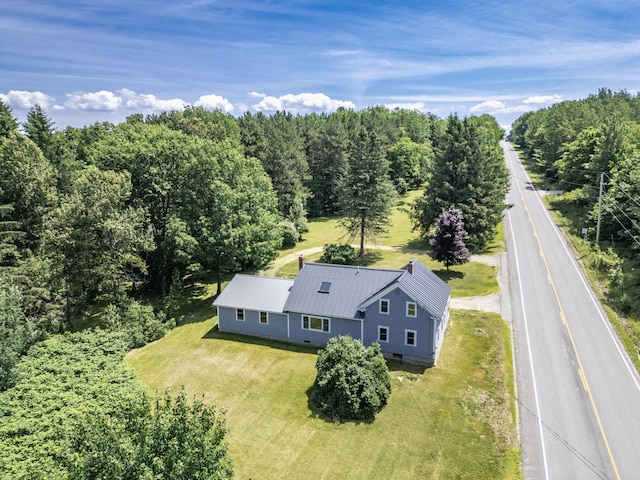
(575, 144)
(94, 220)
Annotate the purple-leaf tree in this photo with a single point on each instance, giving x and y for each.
(447, 239)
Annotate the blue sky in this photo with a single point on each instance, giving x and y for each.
(87, 61)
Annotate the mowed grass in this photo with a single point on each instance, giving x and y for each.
(326, 230)
(452, 421)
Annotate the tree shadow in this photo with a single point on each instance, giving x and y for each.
(448, 275)
(400, 366)
(369, 258)
(418, 244)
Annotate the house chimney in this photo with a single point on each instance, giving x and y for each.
(300, 262)
(410, 268)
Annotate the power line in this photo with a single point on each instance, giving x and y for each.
(623, 190)
(633, 237)
(623, 213)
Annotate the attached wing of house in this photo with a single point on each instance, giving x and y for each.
(405, 310)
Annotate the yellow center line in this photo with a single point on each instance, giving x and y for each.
(581, 372)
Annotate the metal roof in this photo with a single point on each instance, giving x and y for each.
(255, 293)
(429, 291)
(335, 290)
(349, 287)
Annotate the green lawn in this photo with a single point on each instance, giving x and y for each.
(327, 230)
(452, 421)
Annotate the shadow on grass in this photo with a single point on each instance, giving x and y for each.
(369, 258)
(215, 333)
(448, 275)
(417, 244)
(195, 311)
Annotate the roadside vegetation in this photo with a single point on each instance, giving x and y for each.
(567, 149)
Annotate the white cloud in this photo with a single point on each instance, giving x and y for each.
(494, 107)
(488, 106)
(257, 94)
(149, 102)
(102, 101)
(301, 103)
(215, 102)
(241, 107)
(268, 104)
(418, 106)
(23, 100)
(543, 99)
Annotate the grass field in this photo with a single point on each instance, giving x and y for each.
(452, 421)
(456, 420)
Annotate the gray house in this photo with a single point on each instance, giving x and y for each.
(406, 310)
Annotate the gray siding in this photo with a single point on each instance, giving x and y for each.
(397, 323)
(276, 328)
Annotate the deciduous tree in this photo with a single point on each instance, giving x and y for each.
(447, 239)
(96, 238)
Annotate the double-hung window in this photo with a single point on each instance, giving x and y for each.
(412, 310)
(384, 306)
(410, 338)
(383, 333)
(264, 318)
(318, 324)
(240, 314)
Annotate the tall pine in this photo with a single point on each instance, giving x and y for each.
(39, 129)
(469, 173)
(366, 194)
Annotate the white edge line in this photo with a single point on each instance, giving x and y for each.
(526, 331)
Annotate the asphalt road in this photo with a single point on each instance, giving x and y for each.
(578, 393)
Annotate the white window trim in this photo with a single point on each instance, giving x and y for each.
(238, 310)
(415, 310)
(380, 327)
(380, 306)
(260, 317)
(323, 319)
(415, 338)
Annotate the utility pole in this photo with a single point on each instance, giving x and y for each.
(599, 207)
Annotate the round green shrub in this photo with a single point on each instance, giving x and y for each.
(352, 381)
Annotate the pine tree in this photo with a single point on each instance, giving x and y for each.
(447, 240)
(470, 174)
(39, 129)
(366, 194)
(7, 123)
